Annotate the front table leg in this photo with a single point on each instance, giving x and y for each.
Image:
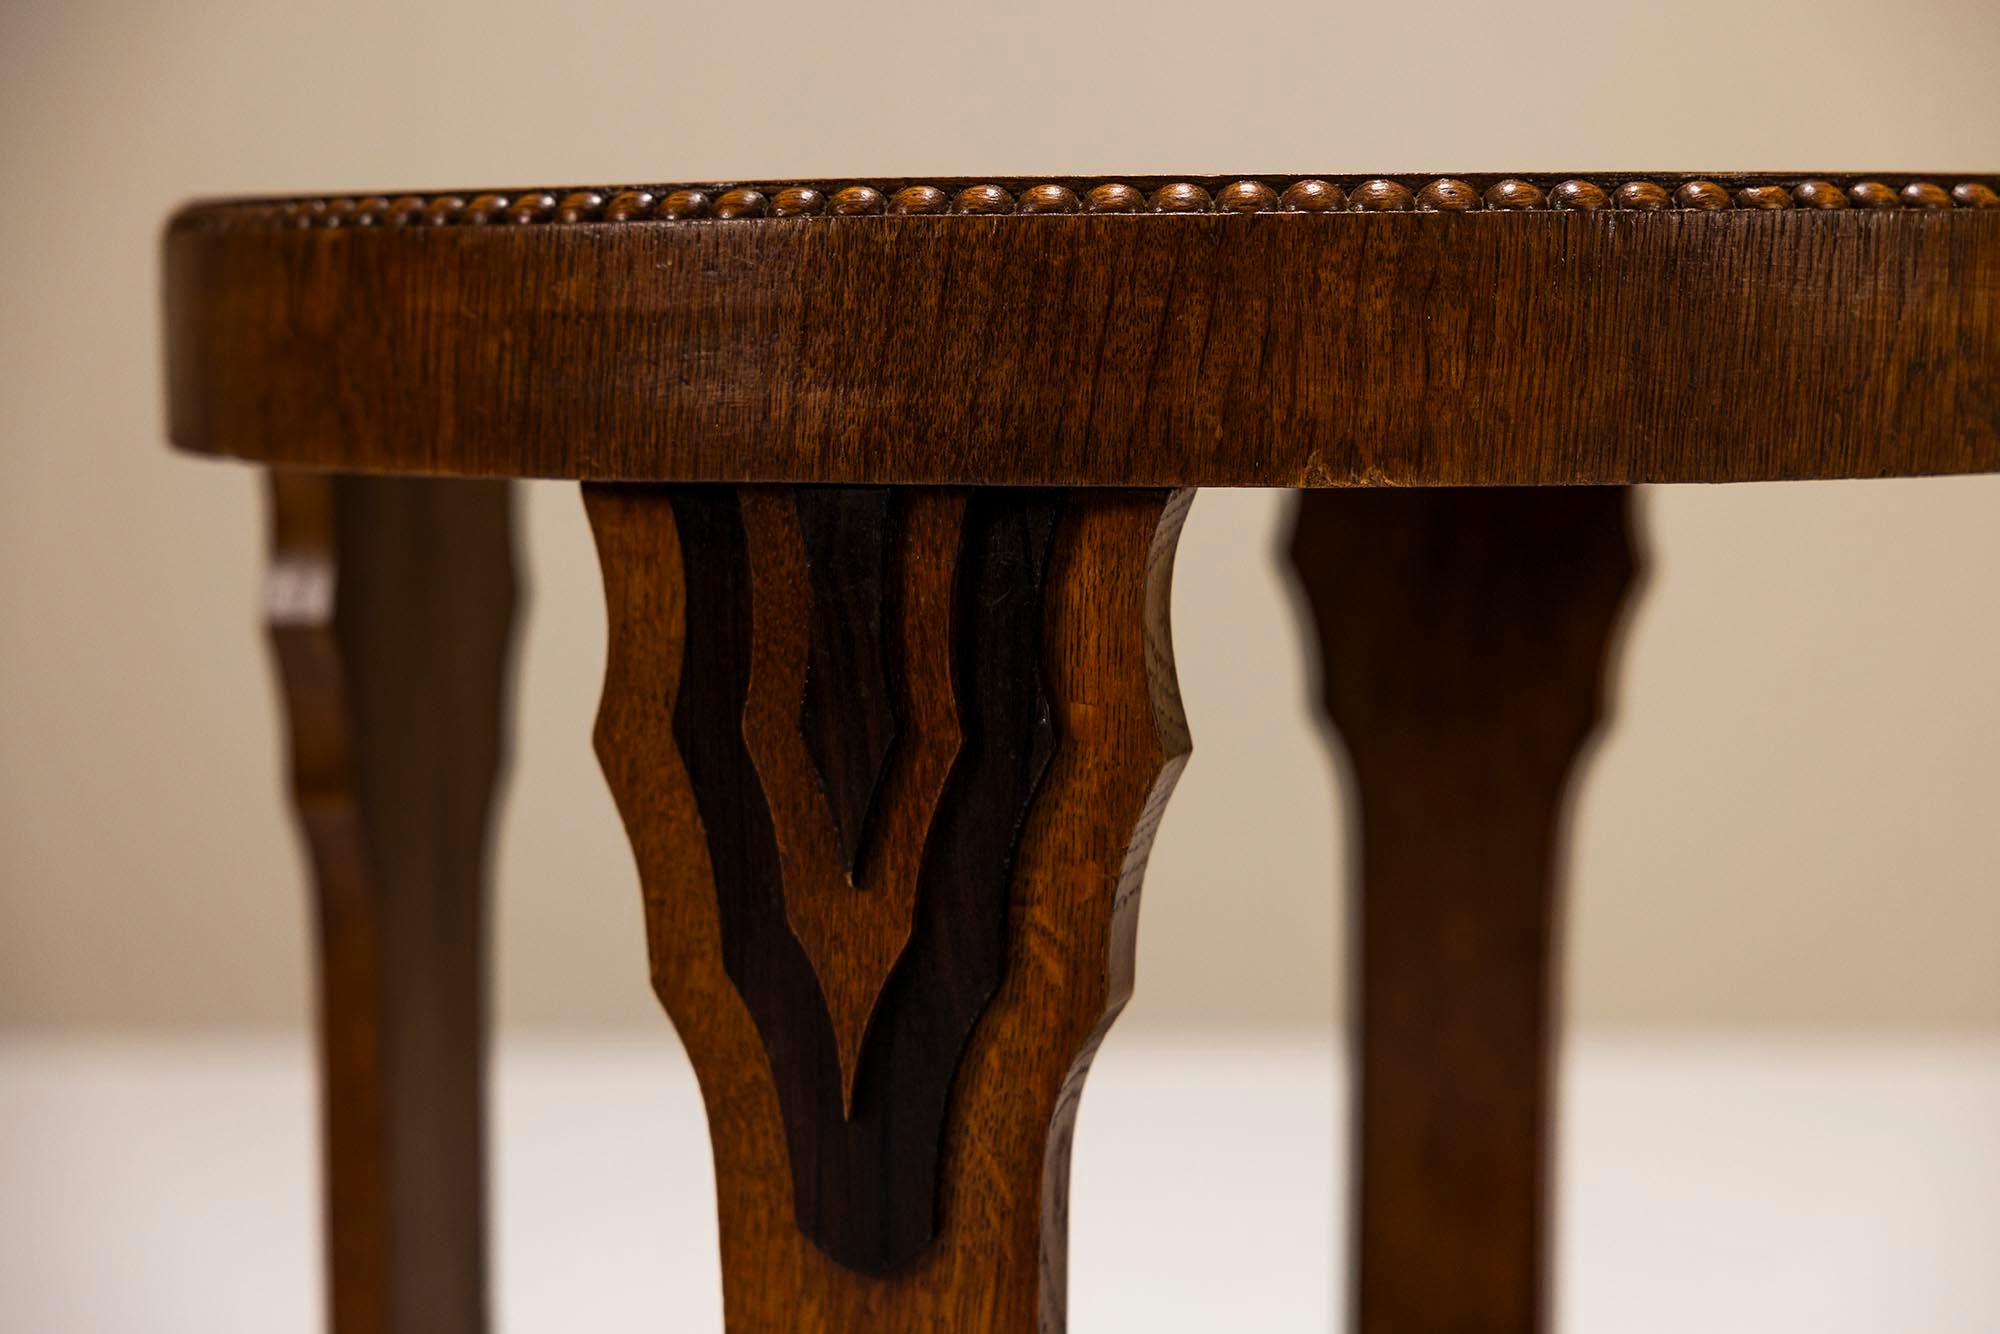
(1463, 642)
(389, 602)
(890, 760)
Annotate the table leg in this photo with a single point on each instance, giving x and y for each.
(890, 761)
(389, 603)
(1463, 640)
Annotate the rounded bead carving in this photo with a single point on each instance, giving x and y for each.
(532, 208)
(684, 204)
(1872, 194)
(1048, 199)
(629, 204)
(919, 199)
(1246, 197)
(1312, 197)
(1819, 195)
(1923, 194)
(1447, 194)
(404, 210)
(1702, 196)
(1513, 194)
(739, 204)
(1181, 197)
(1382, 196)
(1579, 195)
(580, 206)
(1114, 198)
(985, 199)
(1763, 197)
(484, 209)
(1249, 195)
(857, 201)
(1643, 196)
(799, 201)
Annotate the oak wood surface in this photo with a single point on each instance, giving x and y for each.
(1279, 332)
(936, 1199)
(890, 752)
(848, 718)
(389, 603)
(1463, 641)
(811, 617)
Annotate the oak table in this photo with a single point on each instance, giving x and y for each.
(885, 479)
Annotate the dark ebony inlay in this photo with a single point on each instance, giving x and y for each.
(865, 1184)
(848, 716)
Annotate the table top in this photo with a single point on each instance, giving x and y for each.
(1104, 331)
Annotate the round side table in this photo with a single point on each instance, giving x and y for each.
(886, 478)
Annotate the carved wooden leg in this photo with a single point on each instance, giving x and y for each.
(1463, 643)
(389, 602)
(890, 761)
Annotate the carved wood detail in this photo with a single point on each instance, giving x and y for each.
(1463, 641)
(848, 717)
(388, 603)
(825, 636)
(890, 742)
(729, 202)
(1316, 332)
(924, 1188)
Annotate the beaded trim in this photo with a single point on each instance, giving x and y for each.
(1444, 194)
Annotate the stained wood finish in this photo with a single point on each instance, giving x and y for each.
(1463, 641)
(890, 733)
(1280, 332)
(814, 625)
(937, 1199)
(848, 718)
(389, 603)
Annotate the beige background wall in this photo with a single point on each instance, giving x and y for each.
(1790, 827)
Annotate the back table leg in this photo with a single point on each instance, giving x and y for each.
(389, 603)
(1463, 640)
(891, 761)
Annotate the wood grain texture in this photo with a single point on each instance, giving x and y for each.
(853, 927)
(389, 603)
(731, 201)
(848, 717)
(1064, 691)
(863, 1128)
(1463, 641)
(1321, 332)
